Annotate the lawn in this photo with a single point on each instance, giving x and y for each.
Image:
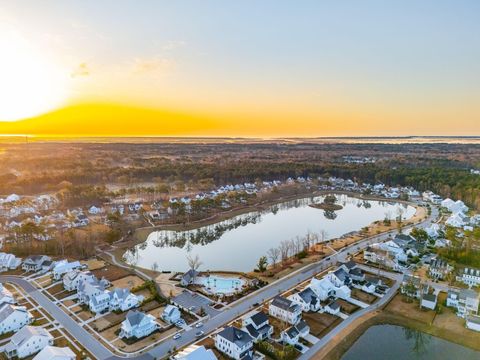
(346, 307)
(320, 324)
(363, 296)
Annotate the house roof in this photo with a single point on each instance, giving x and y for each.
(334, 305)
(134, 317)
(53, 352)
(473, 319)
(284, 304)
(259, 318)
(292, 332)
(301, 325)
(7, 309)
(234, 335)
(350, 264)
(26, 333)
(430, 297)
(341, 274)
(468, 293)
(252, 331)
(189, 275)
(308, 296)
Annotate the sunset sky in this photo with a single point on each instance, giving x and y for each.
(240, 68)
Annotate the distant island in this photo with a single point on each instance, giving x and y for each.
(328, 204)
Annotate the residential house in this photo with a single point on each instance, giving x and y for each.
(466, 301)
(323, 288)
(411, 286)
(439, 269)
(13, 318)
(195, 352)
(80, 220)
(189, 277)
(235, 343)
(429, 301)
(28, 341)
(470, 276)
(138, 325)
(307, 299)
(285, 310)
(257, 326)
(171, 314)
(381, 257)
(9, 261)
(473, 322)
(35, 263)
(333, 308)
(72, 279)
(55, 353)
(6, 297)
(95, 210)
(123, 300)
(293, 334)
(63, 266)
(93, 293)
(338, 277)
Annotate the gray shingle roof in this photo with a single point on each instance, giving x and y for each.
(234, 335)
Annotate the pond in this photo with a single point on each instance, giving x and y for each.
(399, 343)
(237, 243)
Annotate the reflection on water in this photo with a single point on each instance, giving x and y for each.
(237, 243)
(400, 343)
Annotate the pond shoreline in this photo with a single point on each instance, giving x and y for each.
(339, 347)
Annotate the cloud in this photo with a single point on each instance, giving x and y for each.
(81, 70)
(153, 65)
(173, 44)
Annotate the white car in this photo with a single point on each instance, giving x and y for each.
(199, 325)
(177, 336)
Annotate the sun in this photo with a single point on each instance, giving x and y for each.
(30, 82)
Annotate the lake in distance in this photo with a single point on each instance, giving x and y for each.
(236, 244)
(392, 342)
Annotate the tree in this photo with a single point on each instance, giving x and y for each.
(194, 262)
(262, 264)
(419, 234)
(273, 254)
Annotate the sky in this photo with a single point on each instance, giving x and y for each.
(240, 68)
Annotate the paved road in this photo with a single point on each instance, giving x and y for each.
(101, 352)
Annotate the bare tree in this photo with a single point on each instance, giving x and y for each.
(194, 262)
(154, 266)
(323, 235)
(284, 250)
(273, 254)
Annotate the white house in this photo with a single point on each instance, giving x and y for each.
(55, 353)
(6, 297)
(235, 343)
(195, 352)
(36, 263)
(171, 314)
(439, 269)
(470, 276)
(293, 334)
(95, 210)
(137, 325)
(93, 293)
(307, 299)
(466, 301)
(28, 341)
(123, 299)
(63, 266)
(257, 325)
(72, 279)
(285, 310)
(9, 261)
(338, 277)
(473, 322)
(429, 301)
(323, 288)
(13, 318)
(333, 308)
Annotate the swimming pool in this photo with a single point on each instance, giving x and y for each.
(221, 285)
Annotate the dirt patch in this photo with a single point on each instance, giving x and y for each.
(111, 272)
(320, 324)
(411, 310)
(129, 282)
(55, 289)
(346, 307)
(363, 296)
(93, 264)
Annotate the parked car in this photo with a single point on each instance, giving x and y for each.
(177, 336)
(198, 325)
(199, 334)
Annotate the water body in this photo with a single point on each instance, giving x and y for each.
(399, 343)
(237, 243)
